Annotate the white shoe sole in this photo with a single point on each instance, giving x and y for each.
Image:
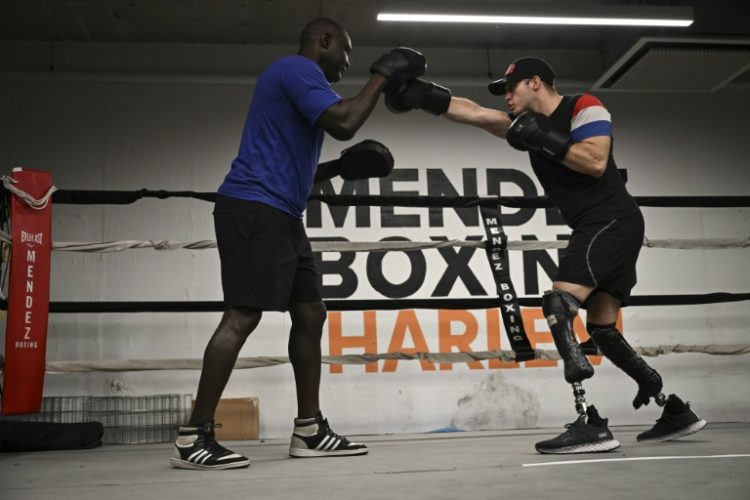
(686, 431)
(184, 464)
(307, 453)
(597, 447)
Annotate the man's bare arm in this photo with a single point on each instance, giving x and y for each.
(466, 111)
(589, 156)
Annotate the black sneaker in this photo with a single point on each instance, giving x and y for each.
(582, 436)
(196, 448)
(312, 437)
(676, 420)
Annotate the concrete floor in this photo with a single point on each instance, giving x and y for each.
(464, 465)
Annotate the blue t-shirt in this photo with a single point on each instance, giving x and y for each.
(280, 145)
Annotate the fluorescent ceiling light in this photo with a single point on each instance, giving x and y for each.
(593, 15)
(580, 21)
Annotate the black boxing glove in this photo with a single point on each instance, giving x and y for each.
(399, 65)
(366, 159)
(419, 94)
(533, 132)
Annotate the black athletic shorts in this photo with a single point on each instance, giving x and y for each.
(266, 260)
(602, 254)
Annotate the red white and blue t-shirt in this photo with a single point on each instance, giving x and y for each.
(579, 196)
(590, 119)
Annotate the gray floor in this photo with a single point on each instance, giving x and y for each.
(463, 465)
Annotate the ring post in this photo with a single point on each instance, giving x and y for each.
(28, 293)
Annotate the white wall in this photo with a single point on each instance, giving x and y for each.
(105, 130)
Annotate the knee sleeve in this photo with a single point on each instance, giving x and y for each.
(560, 308)
(614, 346)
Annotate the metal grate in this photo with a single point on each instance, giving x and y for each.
(126, 420)
(677, 65)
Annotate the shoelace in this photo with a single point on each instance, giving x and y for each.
(579, 421)
(329, 432)
(216, 449)
(209, 427)
(209, 438)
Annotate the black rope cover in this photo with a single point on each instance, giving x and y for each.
(94, 197)
(373, 304)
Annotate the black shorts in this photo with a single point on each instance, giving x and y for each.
(603, 255)
(266, 260)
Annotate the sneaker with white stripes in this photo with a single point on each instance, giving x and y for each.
(312, 437)
(196, 448)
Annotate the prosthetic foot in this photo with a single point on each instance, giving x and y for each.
(580, 398)
(588, 434)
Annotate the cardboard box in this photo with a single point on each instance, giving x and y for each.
(238, 418)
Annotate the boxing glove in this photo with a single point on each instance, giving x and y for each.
(419, 94)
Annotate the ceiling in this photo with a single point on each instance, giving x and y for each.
(254, 22)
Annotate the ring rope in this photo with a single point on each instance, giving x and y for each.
(60, 367)
(519, 201)
(385, 246)
(125, 197)
(200, 306)
(35, 203)
(94, 197)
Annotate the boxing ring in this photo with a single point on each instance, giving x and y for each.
(444, 464)
(519, 353)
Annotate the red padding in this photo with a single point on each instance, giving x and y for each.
(28, 296)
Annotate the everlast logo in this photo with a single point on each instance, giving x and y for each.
(31, 237)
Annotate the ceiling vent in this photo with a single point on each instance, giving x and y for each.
(677, 65)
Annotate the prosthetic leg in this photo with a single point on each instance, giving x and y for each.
(589, 433)
(560, 308)
(614, 346)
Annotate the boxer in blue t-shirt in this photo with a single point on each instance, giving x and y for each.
(266, 260)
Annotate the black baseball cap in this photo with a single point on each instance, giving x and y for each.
(521, 69)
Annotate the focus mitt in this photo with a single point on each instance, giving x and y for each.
(399, 65)
(366, 159)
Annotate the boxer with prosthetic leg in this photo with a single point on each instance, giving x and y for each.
(533, 131)
(569, 143)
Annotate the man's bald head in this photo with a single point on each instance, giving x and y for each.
(317, 28)
(325, 42)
